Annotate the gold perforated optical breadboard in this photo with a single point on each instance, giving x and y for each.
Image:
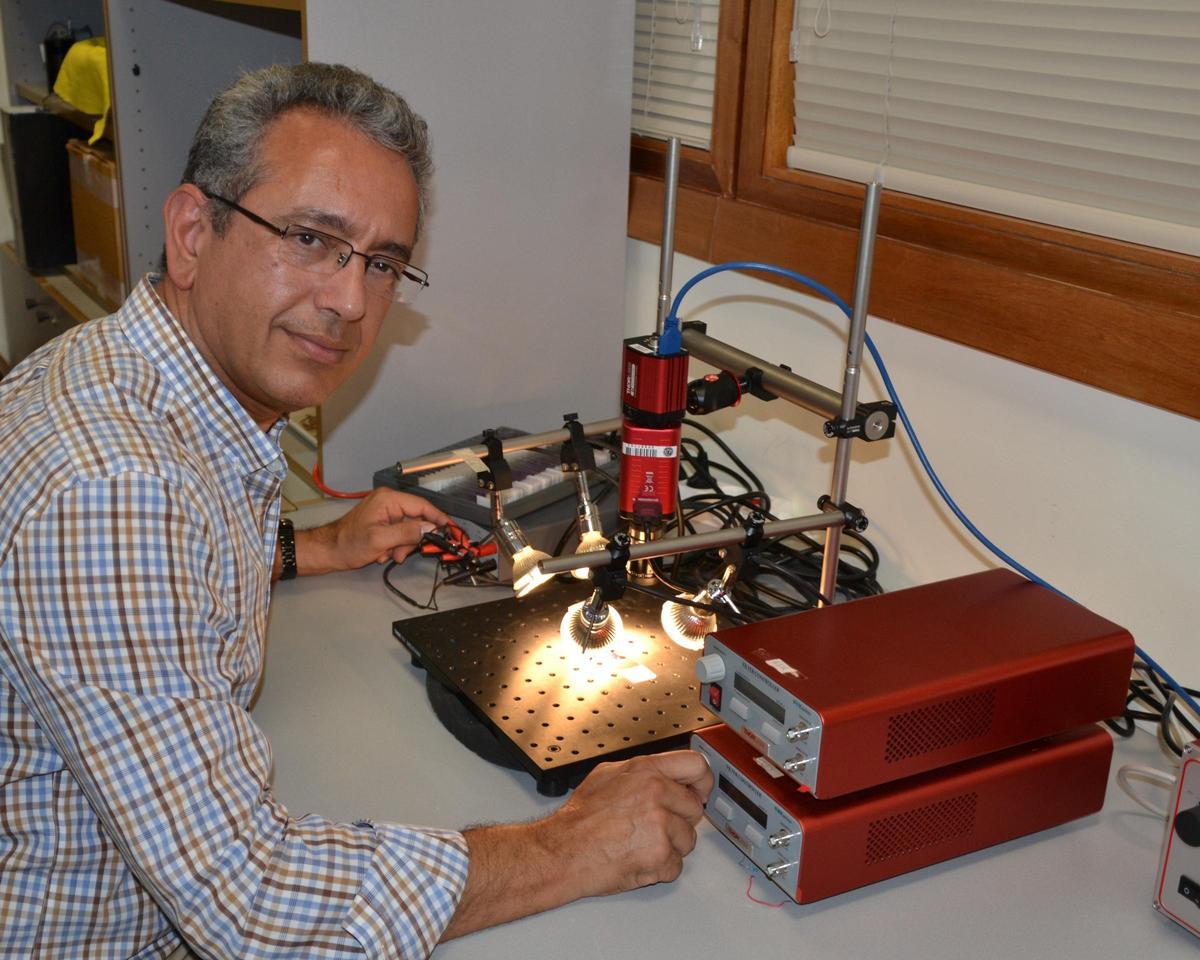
(553, 711)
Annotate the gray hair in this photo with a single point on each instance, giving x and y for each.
(224, 156)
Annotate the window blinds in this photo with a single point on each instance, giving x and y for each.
(1081, 113)
(674, 68)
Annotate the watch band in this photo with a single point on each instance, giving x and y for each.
(287, 549)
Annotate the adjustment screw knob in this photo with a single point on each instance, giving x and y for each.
(1187, 825)
(710, 668)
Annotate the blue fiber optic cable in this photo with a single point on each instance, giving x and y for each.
(669, 341)
(672, 323)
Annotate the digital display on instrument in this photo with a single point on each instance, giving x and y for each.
(751, 692)
(743, 801)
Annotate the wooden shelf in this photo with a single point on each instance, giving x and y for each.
(75, 300)
(75, 296)
(81, 282)
(53, 103)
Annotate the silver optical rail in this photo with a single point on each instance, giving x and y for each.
(697, 541)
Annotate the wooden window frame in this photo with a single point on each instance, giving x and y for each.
(1115, 315)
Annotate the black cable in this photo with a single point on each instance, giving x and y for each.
(797, 567)
(750, 496)
(754, 481)
(1124, 732)
(466, 576)
(430, 604)
(1147, 690)
(807, 590)
(852, 543)
(661, 577)
(748, 598)
(1166, 694)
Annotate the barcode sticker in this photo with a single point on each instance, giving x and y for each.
(648, 450)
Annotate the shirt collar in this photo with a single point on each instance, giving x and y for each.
(159, 337)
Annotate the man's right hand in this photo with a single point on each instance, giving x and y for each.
(631, 824)
(627, 825)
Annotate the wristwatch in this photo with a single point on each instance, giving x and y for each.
(287, 549)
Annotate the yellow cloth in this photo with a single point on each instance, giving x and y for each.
(83, 80)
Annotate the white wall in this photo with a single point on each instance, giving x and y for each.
(1096, 494)
(528, 109)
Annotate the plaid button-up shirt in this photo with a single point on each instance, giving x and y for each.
(138, 516)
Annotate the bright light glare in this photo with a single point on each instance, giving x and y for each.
(687, 625)
(609, 647)
(574, 628)
(589, 542)
(525, 573)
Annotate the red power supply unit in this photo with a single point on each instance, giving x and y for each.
(814, 849)
(856, 694)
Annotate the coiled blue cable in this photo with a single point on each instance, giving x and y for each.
(671, 325)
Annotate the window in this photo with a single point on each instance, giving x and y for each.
(674, 69)
(1079, 114)
(1120, 315)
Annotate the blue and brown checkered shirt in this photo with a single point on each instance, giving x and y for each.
(138, 517)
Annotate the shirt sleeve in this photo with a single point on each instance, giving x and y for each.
(131, 645)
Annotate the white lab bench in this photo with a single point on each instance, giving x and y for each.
(354, 736)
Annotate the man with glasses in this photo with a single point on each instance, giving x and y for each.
(138, 543)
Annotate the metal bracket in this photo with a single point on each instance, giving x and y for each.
(611, 579)
(754, 384)
(872, 421)
(576, 453)
(853, 518)
(498, 475)
(754, 530)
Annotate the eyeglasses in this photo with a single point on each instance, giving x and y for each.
(317, 252)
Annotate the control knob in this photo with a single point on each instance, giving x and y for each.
(1187, 825)
(710, 668)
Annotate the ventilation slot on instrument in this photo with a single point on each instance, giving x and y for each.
(923, 827)
(939, 725)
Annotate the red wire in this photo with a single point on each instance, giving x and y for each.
(754, 899)
(340, 494)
